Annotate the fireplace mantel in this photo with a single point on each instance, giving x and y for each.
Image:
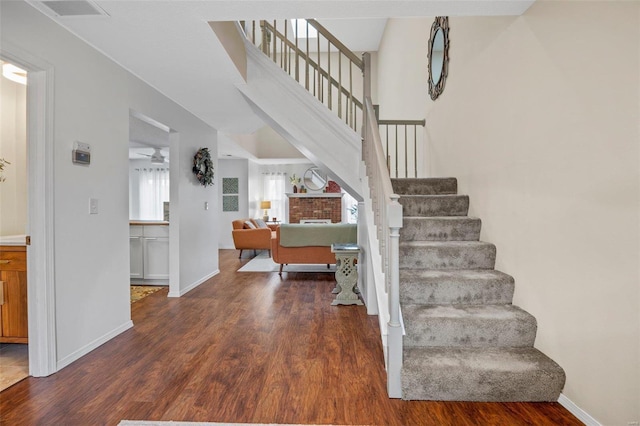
(315, 195)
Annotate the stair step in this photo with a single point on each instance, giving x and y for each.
(480, 374)
(425, 186)
(447, 255)
(468, 326)
(450, 228)
(470, 287)
(434, 205)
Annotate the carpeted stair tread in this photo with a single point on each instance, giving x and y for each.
(442, 228)
(471, 287)
(480, 374)
(447, 255)
(434, 205)
(468, 326)
(425, 185)
(464, 339)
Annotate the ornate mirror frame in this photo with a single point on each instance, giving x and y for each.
(441, 23)
(314, 179)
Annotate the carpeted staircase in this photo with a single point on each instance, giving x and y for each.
(464, 340)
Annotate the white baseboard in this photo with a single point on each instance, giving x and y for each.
(582, 415)
(187, 289)
(91, 346)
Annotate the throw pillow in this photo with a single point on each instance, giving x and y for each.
(260, 223)
(249, 225)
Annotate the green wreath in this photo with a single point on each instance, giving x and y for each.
(203, 167)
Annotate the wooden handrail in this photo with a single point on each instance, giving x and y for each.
(337, 43)
(299, 52)
(403, 145)
(422, 122)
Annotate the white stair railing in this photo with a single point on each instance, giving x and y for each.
(387, 220)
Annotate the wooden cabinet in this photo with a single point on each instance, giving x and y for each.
(14, 325)
(149, 253)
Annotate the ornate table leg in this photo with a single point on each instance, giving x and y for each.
(347, 277)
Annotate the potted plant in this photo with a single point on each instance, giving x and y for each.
(295, 181)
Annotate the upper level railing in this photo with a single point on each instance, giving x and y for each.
(323, 65)
(402, 143)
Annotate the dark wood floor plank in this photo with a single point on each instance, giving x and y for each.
(245, 347)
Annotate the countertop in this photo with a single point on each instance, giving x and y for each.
(13, 240)
(148, 222)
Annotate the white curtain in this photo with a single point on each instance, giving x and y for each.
(274, 187)
(153, 191)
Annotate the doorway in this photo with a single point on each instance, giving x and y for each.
(14, 326)
(149, 201)
(39, 212)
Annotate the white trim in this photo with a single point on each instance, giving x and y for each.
(93, 345)
(193, 285)
(40, 255)
(174, 213)
(582, 415)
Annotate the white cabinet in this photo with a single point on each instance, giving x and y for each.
(149, 252)
(136, 255)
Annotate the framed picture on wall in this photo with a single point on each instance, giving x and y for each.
(230, 186)
(229, 203)
(231, 189)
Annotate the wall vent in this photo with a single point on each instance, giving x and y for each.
(74, 8)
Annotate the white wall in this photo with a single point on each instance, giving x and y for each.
(233, 169)
(13, 148)
(93, 97)
(539, 123)
(270, 144)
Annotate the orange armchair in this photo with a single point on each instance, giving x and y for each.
(246, 238)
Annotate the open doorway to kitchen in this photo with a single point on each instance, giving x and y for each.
(149, 201)
(14, 326)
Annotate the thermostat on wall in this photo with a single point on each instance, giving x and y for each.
(81, 153)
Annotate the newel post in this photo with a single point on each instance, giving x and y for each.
(394, 340)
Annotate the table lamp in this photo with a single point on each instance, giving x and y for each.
(266, 205)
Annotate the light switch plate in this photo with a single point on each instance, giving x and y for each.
(93, 206)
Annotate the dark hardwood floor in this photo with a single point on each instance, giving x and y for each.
(245, 347)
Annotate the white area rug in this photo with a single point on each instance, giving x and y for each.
(263, 263)
(171, 423)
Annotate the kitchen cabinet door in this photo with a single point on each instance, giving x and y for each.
(156, 258)
(136, 255)
(14, 324)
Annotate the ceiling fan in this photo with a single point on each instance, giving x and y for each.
(156, 157)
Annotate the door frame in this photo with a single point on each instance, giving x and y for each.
(40, 208)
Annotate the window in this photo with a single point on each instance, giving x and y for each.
(350, 209)
(273, 190)
(149, 190)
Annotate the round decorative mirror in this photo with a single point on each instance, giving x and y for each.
(438, 56)
(314, 179)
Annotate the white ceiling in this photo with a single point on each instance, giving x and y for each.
(170, 45)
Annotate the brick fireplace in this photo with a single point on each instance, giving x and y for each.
(315, 206)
